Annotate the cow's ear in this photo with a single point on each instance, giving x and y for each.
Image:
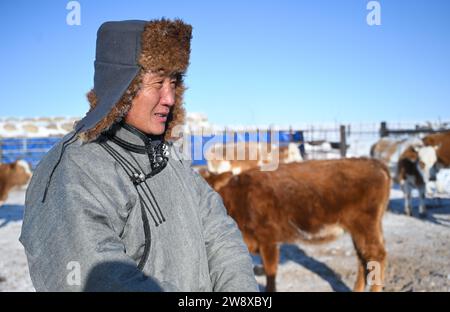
(416, 148)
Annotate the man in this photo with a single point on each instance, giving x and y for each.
(114, 207)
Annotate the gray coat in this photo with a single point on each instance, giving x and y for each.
(89, 232)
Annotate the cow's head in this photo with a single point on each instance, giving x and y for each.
(426, 159)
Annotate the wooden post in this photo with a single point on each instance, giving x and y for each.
(343, 145)
(383, 129)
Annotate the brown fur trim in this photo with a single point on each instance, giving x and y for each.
(165, 46)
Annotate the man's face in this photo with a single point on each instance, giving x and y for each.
(151, 106)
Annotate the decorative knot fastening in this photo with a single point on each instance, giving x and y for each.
(138, 177)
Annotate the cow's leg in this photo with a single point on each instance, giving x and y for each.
(270, 255)
(422, 207)
(360, 283)
(377, 268)
(407, 193)
(369, 247)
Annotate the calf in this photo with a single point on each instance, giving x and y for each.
(414, 169)
(312, 201)
(14, 174)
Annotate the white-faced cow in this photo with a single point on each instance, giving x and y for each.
(414, 169)
(441, 141)
(313, 201)
(411, 164)
(238, 157)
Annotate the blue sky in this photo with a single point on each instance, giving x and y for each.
(252, 62)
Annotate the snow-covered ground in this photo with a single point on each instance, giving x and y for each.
(418, 253)
(14, 274)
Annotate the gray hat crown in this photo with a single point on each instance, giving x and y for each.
(119, 42)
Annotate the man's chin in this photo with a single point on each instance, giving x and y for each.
(156, 131)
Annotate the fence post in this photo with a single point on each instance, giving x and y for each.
(383, 129)
(343, 145)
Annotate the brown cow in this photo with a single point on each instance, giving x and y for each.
(310, 201)
(14, 174)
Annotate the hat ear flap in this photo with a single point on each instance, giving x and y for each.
(116, 114)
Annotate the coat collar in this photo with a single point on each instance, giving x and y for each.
(135, 140)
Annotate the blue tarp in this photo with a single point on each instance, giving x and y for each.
(29, 149)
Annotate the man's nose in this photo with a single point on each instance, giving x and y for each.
(168, 96)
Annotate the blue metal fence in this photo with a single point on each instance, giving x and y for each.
(33, 149)
(29, 149)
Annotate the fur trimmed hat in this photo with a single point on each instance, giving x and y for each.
(125, 51)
